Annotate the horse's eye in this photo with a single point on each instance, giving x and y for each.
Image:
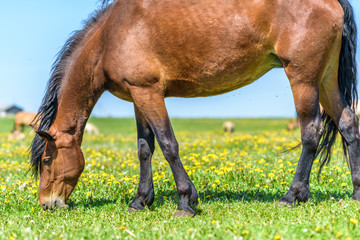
(47, 160)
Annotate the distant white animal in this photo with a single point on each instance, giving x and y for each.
(229, 126)
(91, 129)
(16, 135)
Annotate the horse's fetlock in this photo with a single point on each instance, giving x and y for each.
(300, 191)
(356, 182)
(299, 187)
(184, 188)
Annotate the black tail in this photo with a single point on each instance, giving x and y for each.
(347, 83)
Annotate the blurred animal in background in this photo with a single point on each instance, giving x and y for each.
(23, 119)
(91, 129)
(293, 124)
(16, 135)
(229, 127)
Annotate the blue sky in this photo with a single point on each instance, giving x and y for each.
(32, 32)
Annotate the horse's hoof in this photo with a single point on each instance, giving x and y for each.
(284, 204)
(131, 209)
(182, 213)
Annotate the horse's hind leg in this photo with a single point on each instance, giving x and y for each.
(347, 123)
(306, 66)
(150, 103)
(145, 193)
(307, 107)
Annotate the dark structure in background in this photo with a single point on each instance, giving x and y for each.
(10, 110)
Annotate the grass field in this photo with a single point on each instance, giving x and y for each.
(239, 178)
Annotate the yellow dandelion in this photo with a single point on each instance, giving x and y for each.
(339, 234)
(353, 221)
(277, 237)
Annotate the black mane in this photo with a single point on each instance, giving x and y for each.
(48, 109)
(106, 2)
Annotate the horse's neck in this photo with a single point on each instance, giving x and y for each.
(81, 87)
(75, 104)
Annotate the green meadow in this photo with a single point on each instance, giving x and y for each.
(239, 178)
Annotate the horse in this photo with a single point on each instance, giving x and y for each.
(145, 50)
(228, 127)
(23, 119)
(91, 129)
(292, 125)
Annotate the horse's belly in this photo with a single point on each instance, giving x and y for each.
(215, 83)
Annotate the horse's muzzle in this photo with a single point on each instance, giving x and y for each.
(54, 204)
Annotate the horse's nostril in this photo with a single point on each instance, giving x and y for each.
(55, 206)
(45, 207)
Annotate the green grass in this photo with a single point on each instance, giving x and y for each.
(239, 178)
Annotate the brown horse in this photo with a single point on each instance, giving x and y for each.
(23, 119)
(145, 50)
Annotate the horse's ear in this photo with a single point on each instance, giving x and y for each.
(46, 135)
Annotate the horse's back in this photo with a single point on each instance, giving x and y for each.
(202, 48)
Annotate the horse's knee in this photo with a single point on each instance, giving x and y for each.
(348, 126)
(171, 150)
(312, 133)
(144, 149)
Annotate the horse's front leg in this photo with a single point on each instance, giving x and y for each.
(150, 103)
(145, 193)
(307, 106)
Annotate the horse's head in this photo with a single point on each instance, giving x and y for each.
(61, 165)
